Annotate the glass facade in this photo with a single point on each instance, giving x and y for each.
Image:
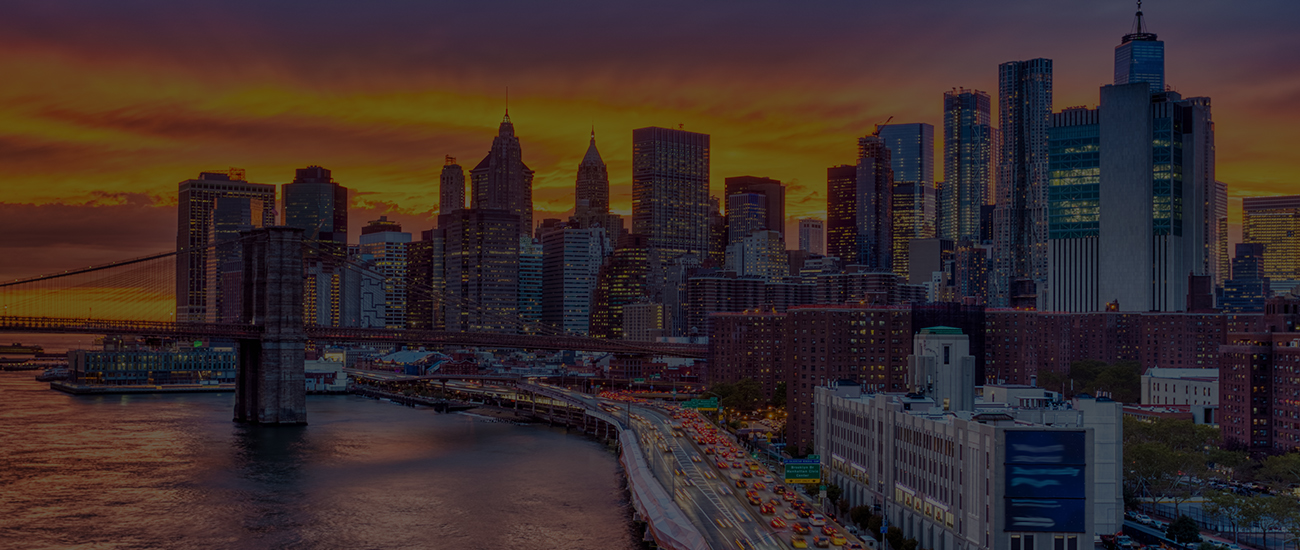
(1074, 159)
(967, 150)
(1141, 59)
(746, 214)
(1274, 223)
(670, 191)
(841, 212)
(1167, 169)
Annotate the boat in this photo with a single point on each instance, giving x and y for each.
(54, 373)
(19, 348)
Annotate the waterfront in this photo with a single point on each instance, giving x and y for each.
(151, 471)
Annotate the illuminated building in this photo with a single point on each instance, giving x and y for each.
(746, 214)
(747, 345)
(384, 243)
(1073, 210)
(773, 200)
(967, 163)
(875, 218)
(643, 321)
(842, 212)
(502, 181)
(621, 281)
(812, 235)
(451, 187)
(571, 260)
(1274, 222)
(760, 254)
(318, 205)
(1258, 383)
(1249, 287)
(193, 234)
(426, 282)
(591, 204)
(1019, 219)
(530, 283)
(911, 148)
(670, 191)
(225, 269)
(1140, 57)
(482, 267)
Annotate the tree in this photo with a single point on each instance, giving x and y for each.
(1161, 454)
(1239, 511)
(860, 515)
(834, 492)
(873, 525)
(778, 396)
(1183, 529)
(1281, 471)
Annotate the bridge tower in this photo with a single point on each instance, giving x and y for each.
(270, 386)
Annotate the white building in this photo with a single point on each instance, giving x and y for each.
(812, 235)
(1165, 386)
(760, 254)
(997, 476)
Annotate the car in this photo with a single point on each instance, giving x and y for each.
(818, 519)
(854, 545)
(747, 473)
(751, 494)
(787, 496)
(838, 539)
(801, 528)
(788, 513)
(740, 483)
(777, 523)
(696, 458)
(822, 542)
(766, 509)
(1143, 519)
(804, 513)
(722, 465)
(778, 489)
(797, 541)
(768, 479)
(828, 530)
(736, 464)
(755, 501)
(759, 485)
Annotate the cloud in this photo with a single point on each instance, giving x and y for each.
(47, 238)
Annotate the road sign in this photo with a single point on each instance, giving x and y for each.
(701, 404)
(802, 471)
(639, 380)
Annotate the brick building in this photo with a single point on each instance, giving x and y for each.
(747, 345)
(1259, 381)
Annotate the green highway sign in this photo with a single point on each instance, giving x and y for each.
(710, 404)
(639, 380)
(803, 472)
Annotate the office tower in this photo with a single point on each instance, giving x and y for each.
(1274, 223)
(1020, 221)
(593, 180)
(1222, 264)
(717, 233)
(426, 283)
(1073, 210)
(621, 281)
(384, 243)
(451, 187)
(773, 194)
(482, 266)
(842, 212)
(1140, 58)
(193, 234)
(1156, 188)
(230, 216)
(571, 260)
(875, 218)
(759, 254)
(812, 235)
(746, 214)
(643, 321)
(911, 148)
(530, 284)
(670, 191)
(318, 205)
(502, 181)
(1250, 284)
(967, 163)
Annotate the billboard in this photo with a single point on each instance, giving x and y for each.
(1045, 487)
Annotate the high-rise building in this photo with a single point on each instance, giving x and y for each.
(1155, 190)
(911, 148)
(967, 163)
(759, 254)
(318, 205)
(812, 235)
(1274, 222)
(1249, 286)
(1222, 264)
(1020, 219)
(451, 187)
(194, 239)
(773, 198)
(1074, 210)
(746, 214)
(230, 216)
(643, 321)
(1140, 57)
(482, 266)
(842, 212)
(593, 180)
(621, 281)
(875, 215)
(384, 243)
(502, 181)
(670, 191)
(530, 284)
(571, 260)
(426, 281)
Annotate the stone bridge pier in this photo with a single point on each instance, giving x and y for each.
(270, 386)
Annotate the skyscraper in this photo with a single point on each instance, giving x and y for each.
(911, 148)
(1222, 263)
(426, 281)
(482, 266)
(842, 212)
(670, 191)
(1249, 286)
(967, 163)
(621, 281)
(451, 187)
(1073, 211)
(773, 198)
(530, 284)
(812, 235)
(384, 243)
(194, 234)
(230, 216)
(318, 205)
(571, 260)
(1140, 58)
(502, 181)
(875, 217)
(1273, 223)
(592, 194)
(1020, 220)
(746, 214)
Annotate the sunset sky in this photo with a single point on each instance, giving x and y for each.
(106, 106)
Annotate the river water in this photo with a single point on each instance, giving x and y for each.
(172, 471)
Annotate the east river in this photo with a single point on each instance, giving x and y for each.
(173, 471)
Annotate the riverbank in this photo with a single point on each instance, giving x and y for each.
(97, 389)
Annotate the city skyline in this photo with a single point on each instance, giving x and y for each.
(108, 149)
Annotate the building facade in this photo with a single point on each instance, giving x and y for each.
(773, 198)
(194, 238)
(1020, 217)
(451, 187)
(812, 236)
(1073, 210)
(482, 266)
(967, 162)
(1274, 222)
(571, 260)
(501, 181)
(670, 191)
(384, 246)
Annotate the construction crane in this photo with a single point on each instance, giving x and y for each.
(879, 126)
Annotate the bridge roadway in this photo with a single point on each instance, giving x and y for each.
(71, 325)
